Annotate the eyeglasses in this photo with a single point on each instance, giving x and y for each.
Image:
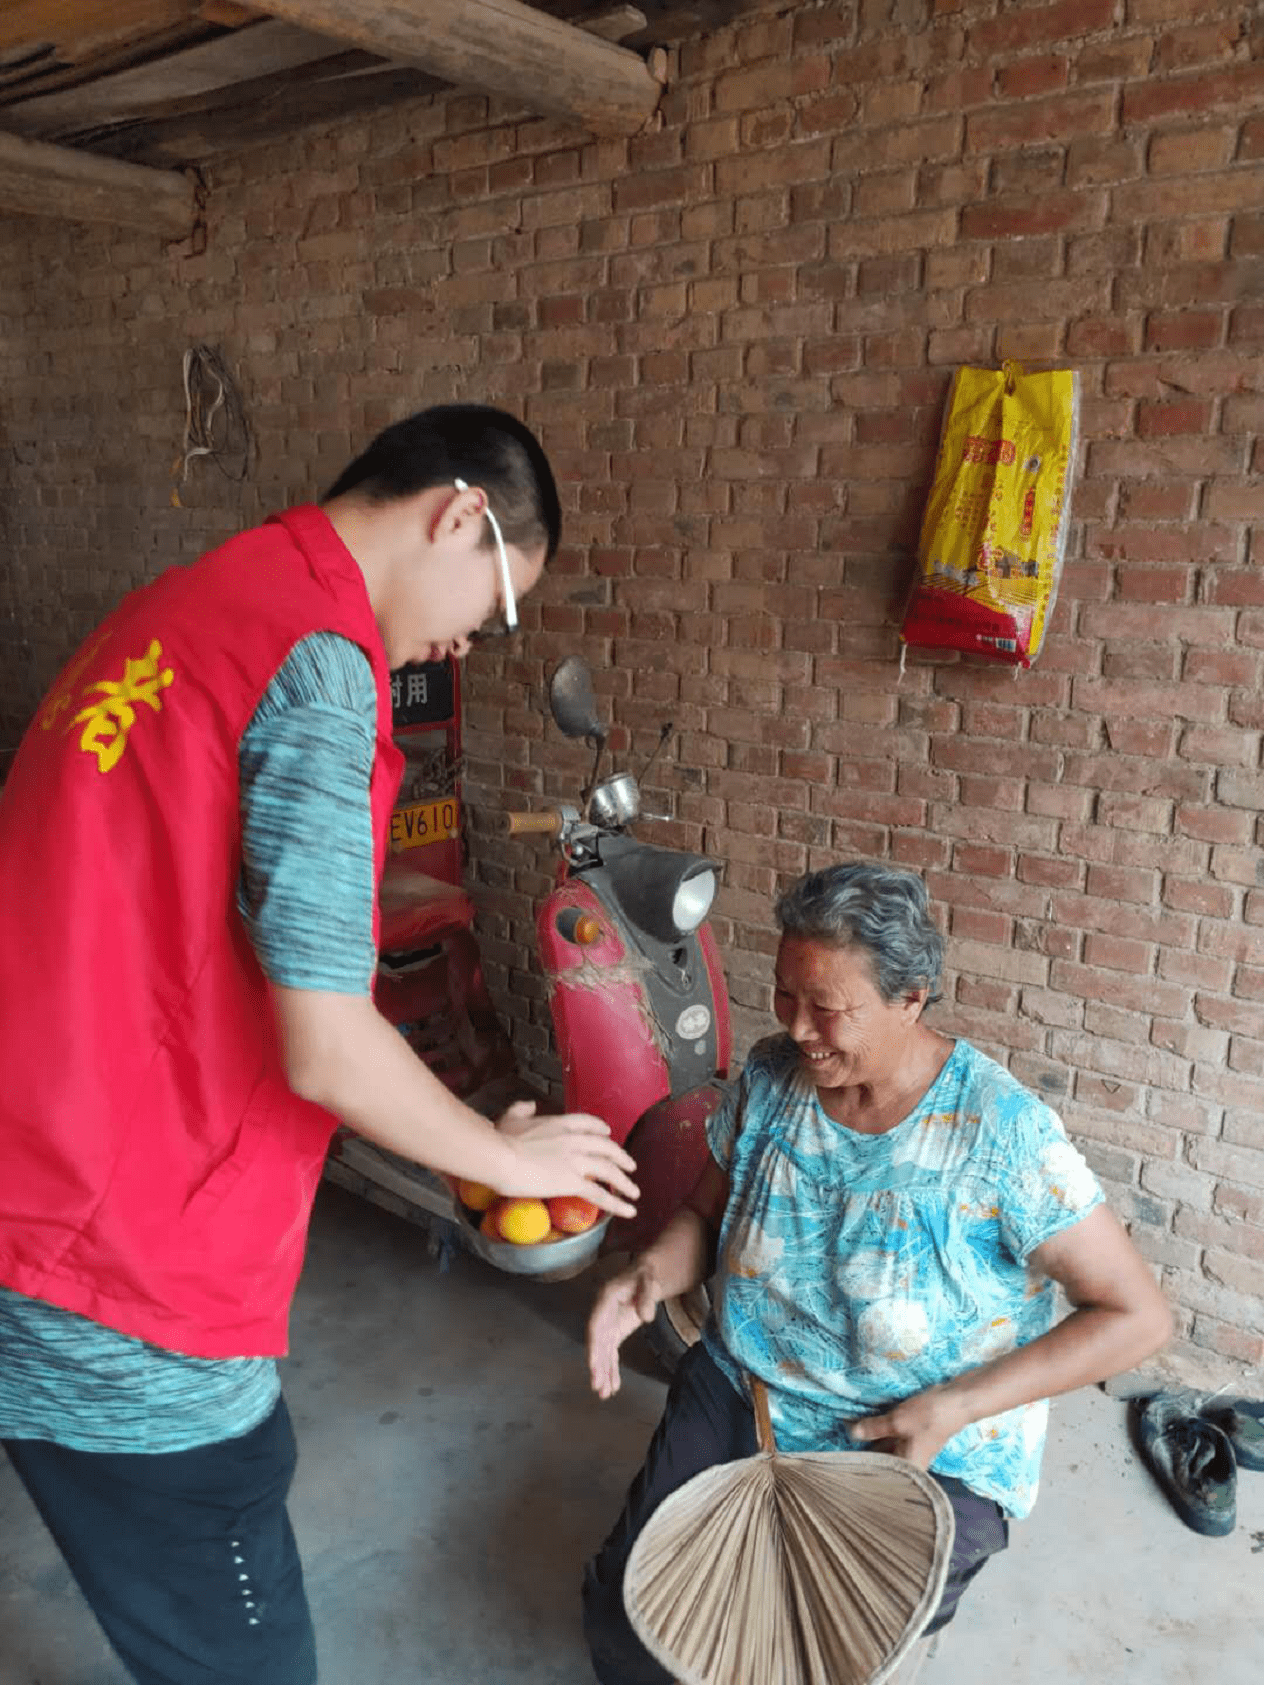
(506, 583)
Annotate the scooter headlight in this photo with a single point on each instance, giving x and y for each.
(664, 893)
(693, 898)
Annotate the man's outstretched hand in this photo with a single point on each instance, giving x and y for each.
(570, 1154)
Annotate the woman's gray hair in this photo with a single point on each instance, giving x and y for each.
(882, 909)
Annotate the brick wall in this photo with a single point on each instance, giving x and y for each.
(735, 335)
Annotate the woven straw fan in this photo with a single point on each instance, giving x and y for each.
(819, 1569)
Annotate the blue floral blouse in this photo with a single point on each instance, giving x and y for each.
(857, 1270)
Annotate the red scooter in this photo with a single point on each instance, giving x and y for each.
(640, 1017)
(636, 988)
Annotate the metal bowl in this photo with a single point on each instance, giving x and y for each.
(552, 1260)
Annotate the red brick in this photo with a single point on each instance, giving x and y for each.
(833, 22)
(1098, 159)
(1113, 60)
(777, 168)
(1219, 745)
(1131, 1063)
(959, 89)
(973, 924)
(1226, 190)
(1153, 584)
(1118, 883)
(1155, 503)
(1066, 19)
(1104, 337)
(1246, 708)
(1228, 1341)
(1251, 145)
(1150, 661)
(891, 191)
(1050, 213)
(1248, 236)
(1234, 865)
(991, 997)
(1023, 302)
(1132, 542)
(880, 60)
(1180, 285)
(910, 143)
(828, 114)
(1196, 971)
(1210, 900)
(1154, 738)
(1053, 873)
(1165, 460)
(1228, 501)
(1241, 789)
(1116, 953)
(1032, 77)
(1186, 330)
(1039, 120)
(1174, 248)
(766, 84)
(892, 102)
(1126, 698)
(1237, 85)
(661, 187)
(1185, 416)
(1184, 152)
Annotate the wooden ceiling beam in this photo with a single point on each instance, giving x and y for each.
(80, 32)
(498, 47)
(41, 180)
(257, 50)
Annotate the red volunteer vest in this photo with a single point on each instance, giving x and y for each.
(156, 1171)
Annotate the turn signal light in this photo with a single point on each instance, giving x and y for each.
(587, 930)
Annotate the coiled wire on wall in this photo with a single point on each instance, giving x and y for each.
(215, 424)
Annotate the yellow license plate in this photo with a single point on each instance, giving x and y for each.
(425, 822)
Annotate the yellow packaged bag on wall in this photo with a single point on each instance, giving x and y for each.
(994, 532)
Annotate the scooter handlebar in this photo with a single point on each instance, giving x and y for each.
(528, 824)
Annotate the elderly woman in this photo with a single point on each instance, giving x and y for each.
(886, 1213)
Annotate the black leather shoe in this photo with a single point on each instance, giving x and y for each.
(1193, 1462)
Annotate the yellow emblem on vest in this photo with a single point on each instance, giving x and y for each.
(108, 722)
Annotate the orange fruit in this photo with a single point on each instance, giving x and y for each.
(572, 1214)
(489, 1226)
(476, 1195)
(523, 1221)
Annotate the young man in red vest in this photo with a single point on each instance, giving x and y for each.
(191, 838)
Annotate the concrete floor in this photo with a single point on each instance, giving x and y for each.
(454, 1473)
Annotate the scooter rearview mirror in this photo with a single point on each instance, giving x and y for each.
(572, 702)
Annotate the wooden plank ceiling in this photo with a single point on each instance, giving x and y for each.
(175, 82)
(102, 103)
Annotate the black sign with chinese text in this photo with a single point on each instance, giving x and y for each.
(422, 693)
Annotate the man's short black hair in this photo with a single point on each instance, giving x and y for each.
(472, 442)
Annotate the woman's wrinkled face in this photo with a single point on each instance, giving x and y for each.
(828, 1003)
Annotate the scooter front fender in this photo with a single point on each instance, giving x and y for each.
(669, 1145)
(613, 1063)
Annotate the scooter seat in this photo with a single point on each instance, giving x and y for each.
(418, 910)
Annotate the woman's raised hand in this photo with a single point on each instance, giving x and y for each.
(627, 1301)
